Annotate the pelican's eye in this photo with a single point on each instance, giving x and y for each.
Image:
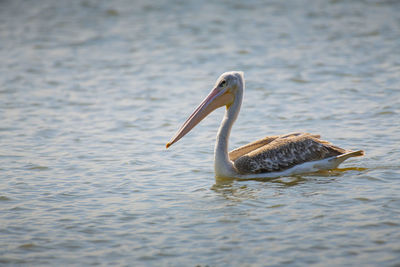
(222, 83)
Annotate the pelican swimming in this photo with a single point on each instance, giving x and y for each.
(272, 156)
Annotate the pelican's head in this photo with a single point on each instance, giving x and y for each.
(223, 94)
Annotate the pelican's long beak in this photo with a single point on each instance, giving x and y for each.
(217, 98)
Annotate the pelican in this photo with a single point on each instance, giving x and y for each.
(272, 156)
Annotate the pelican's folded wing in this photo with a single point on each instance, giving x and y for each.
(236, 153)
(285, 152)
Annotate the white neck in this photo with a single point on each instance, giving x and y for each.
(223, 166)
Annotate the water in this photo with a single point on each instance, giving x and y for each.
(90, 92)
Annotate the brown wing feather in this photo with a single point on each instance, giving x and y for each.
(236, 153)
(285, 152)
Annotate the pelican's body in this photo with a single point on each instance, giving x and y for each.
(269, 157)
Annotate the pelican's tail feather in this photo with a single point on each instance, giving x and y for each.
(339, 159)
(350, 154)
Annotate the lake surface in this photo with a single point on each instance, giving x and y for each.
(90, 92)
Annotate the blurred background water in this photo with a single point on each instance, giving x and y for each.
(90, 92)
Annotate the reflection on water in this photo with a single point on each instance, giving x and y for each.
(233, 188)
(233, 191)
(291, 180)
(90, 92)
(288, 181)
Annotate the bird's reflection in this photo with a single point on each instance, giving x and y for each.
(242, 189)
